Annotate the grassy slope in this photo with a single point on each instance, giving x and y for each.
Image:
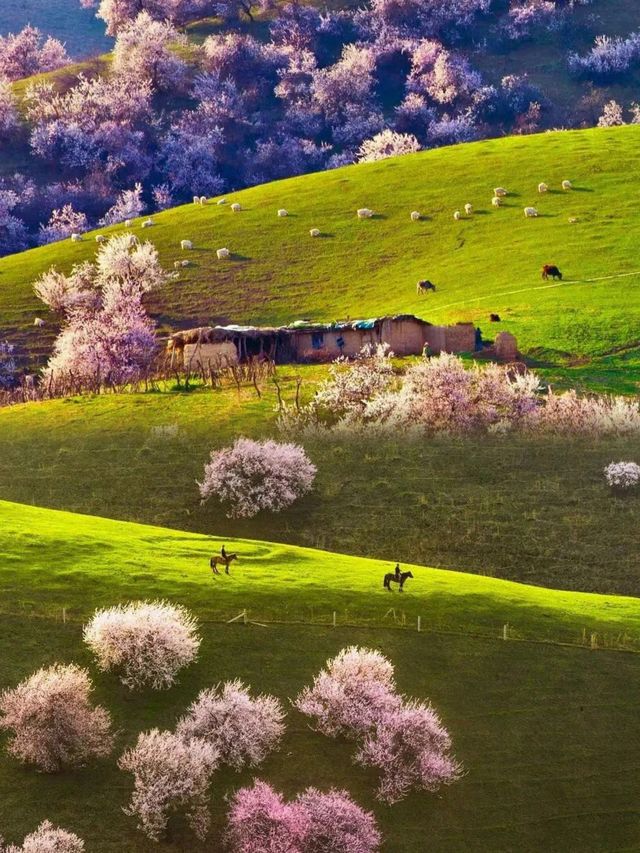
(550, 756)
(488, 263)
(525, 510)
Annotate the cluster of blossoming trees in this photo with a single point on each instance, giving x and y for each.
(54, 725)
(442, 395)
(328, 88)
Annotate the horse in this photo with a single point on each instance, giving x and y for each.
(216, 561)
(551, 270)
(424, 287)
(391, 576)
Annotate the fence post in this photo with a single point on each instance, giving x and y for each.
(505, 631)
(64, 615)
(334, 618)
(419, 621)
(594, 641)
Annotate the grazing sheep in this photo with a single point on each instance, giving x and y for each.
(128, 223)
(415, 216)
(221, 201)
(530, 212)
(177, 265)
(148, 223)
(468, 209)
(222, 254)
(314, 232)
(196, 199)
(496, 201)
(185, 263)
(186, 244)
(283, 212)
(364, 213)
(235, 207)
(543, 188)
(500, 192)
(494, 318)
(567, 185)
(457, 215)
(573, 220)
(39, 322)
(174, 275)
(100, 238)
(203, 199)
(76, 238)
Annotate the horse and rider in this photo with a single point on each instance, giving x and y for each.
(224, 559)
(396, 576)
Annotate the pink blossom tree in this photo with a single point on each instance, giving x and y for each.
(47, 838)
(28, 52)
(129, 205)
(411, 748)
(147, 643)
(388, 143)
(63, 223)
(52, 722)
(350, 693)
(170, 775)
(143, 52)
(243, 729)
(253, 476)
(260, 821)
(9, 120)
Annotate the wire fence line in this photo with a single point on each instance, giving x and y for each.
(392, 621)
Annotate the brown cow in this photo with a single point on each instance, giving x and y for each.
(550, 270)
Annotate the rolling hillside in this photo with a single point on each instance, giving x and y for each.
(489, 262)
(548, 734)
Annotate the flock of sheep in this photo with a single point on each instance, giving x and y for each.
(499, 193)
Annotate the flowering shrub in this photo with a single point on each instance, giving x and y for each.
(260, 821)
(252, 476)
(52, 722)
(352, 691)
(9, 120)
(388, 143)
(28, 52)
(146, 642)
(63, 223)
(47, 839)
(410, 747)
(608, 58)
(242, 729)
(441, 395)
(170, 774)
(622, 475)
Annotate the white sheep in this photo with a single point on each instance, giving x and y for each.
(186, 244)
(174, 275)
(314, 232)
(177, 265)
(203, 199)
(235, 207)
(39, 322)
(148, 223)
(364, 213)
(457, 215)
(196, 199)
(500, 192)
(496, 201)
(543, 188)
(221, 201)
(222, 254)
(415, 215)
(468, 209)
(567, 185)
(530, 212)
(128, 223)
(185, 263)
(283, 212)
(573, 220)
(76, 238)
(100, 238)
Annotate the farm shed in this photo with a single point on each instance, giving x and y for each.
(405, 334)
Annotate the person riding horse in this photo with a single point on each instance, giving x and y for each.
(223, 560)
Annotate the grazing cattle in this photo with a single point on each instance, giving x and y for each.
(551, 271)
(494, 318)
(424, 286)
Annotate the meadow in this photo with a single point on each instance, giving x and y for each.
(489, 262)
(547, 732)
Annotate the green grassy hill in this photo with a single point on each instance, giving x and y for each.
(531, 510)
(547, 733)
(489, 262)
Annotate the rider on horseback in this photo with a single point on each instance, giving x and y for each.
(397, 572)
(223, 553)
